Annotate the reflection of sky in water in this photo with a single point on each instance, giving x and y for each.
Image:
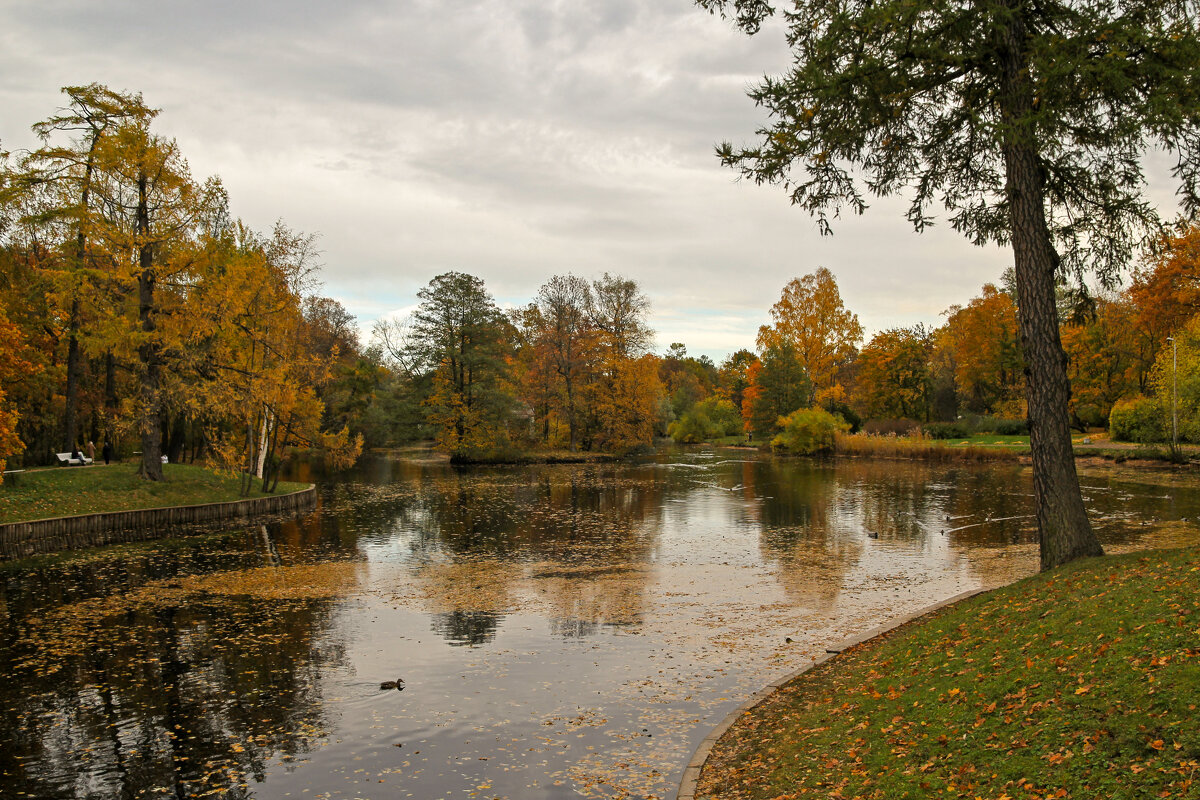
(561, 630)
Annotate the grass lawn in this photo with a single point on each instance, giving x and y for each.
(65, 491)
(990, 439)
(1080, 683)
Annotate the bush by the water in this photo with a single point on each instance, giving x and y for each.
(1140, 420)
(711, 418)
(1001, 426)
(945, 430)
(807, 431)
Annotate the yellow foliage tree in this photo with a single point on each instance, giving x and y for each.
(626, 407)
(894, 378)
(811, 317)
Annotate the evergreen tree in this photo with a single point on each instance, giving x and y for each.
(1025, 120)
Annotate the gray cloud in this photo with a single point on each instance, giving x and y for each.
(508, 138)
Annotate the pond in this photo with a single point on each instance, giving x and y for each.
(560, 631)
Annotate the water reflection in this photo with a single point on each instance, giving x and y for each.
(562, 630)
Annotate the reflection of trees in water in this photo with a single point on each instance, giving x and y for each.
(466, 627)
(177, 699)
(799, 503)
(580, 601)
(500, 527)
(817, 517)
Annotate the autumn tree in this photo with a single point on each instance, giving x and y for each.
(151, 207)
(987, 353)
(1026, 121)
(618, 311)
(733, 375)
(13, 367)
(1165, 289)
(568, 340)
(894, 376)
(626, 387)
(778, 385)
(461, 338)
(686, 379)
(626, 405)
(62, 211)
(1175, 382)
(811, 319)
(265, 365)
(1108, 358)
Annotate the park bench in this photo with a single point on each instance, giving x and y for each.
(65, 458)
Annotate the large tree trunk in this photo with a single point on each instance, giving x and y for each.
(150, 421)
(1063, 527)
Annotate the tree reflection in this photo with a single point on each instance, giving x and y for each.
(466, 627)
(485, 540)
(160, 699)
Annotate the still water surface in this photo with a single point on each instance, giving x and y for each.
(561, 631)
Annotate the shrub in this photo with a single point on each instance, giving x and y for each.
(694, 426)
(711, 418)
(945, 430)
(1001, 426)
(1138, 420)
(848, 414)
(1010, 427)
(808, 431)
(890, 427)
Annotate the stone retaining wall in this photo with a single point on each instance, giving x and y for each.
(23, 539)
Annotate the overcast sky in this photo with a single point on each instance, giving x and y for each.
(510, 139)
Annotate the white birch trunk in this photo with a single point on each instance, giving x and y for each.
(262, 443)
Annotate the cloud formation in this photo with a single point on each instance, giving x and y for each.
(512, 140)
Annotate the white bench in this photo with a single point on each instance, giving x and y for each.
(65, 458)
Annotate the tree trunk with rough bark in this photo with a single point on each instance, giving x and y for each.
(1064, 531)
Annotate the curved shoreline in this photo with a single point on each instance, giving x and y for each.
(691, 773)
(55, 534)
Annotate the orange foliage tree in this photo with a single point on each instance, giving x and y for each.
(13, 366)
(1108, 358)
(894, 377)
(985, 343)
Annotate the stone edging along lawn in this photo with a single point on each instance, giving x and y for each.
(691, 773)
(23, 539)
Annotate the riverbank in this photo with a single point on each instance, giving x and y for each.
(1078, 683)
(70, 491)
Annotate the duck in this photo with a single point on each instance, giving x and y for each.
(397, 684)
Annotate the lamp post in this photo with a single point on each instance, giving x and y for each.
(1174, 397)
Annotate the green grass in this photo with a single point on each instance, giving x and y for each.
(989, 440)
(1079, 683)
(66, 491)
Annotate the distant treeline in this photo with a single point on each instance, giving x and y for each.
(134, 311)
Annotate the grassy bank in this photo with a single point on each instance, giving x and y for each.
(66, 491)
(1081, 683)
